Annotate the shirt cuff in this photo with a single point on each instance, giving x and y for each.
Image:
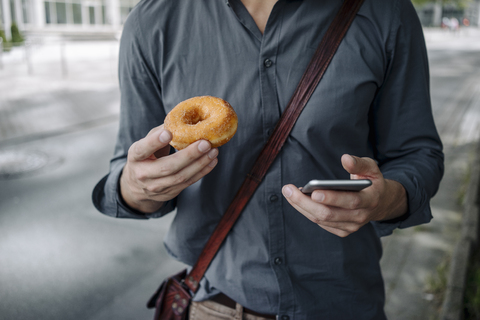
(107, 199)
(419, 210)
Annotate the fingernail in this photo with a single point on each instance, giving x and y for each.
(213, 153)
(318, 196)
(213, 163)
(203, 146)
(164, 137)
(287, 192)
(353, 158)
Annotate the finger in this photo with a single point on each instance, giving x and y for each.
(348, 206)
(320, 213)
(155, 140)
(335, 221)
(338, 232)
(202, 173)
(330, 220)
(181, 159)
(304, 204)
(361, 167)
(190, 174)
(351, 200)
(172, 190)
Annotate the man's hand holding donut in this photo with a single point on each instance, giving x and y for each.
(343, 213)
(152, 176)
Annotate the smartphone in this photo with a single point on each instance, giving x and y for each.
(340, 185)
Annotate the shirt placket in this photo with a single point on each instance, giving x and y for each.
(273, 180)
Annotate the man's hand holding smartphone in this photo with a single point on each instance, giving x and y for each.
(345, 212)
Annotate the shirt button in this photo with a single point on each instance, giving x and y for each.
(269, 132)
(284, 317)
(278, 261)
(267, 63)
(273, 198)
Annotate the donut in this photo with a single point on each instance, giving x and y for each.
(204, 117)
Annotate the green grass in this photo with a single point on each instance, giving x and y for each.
(472, 290)
(436, 282)
(462, 191)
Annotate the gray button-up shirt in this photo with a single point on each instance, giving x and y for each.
(372, 102)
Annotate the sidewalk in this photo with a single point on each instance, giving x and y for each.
(412, 257)
(56, 87)
(43, 94)
(464, 39)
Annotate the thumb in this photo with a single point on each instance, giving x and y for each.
(155, 143)
(360, 167)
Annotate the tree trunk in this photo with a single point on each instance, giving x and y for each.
(437, 13)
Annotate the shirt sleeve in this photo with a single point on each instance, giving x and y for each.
(407, 144)
(141, 109)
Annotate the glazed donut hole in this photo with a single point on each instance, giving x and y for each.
(194, 115)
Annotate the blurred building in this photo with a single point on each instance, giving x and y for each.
(68, 18)
(104, 18)
(432, 13)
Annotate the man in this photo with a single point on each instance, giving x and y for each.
(296, 256)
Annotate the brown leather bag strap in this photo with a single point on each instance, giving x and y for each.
(315, 70)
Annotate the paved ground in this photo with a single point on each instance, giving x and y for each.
(62, 260)
(44, 94)
(412, 255)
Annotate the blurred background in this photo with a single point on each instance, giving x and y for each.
(59, 104)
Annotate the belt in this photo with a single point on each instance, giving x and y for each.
(226, 301)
